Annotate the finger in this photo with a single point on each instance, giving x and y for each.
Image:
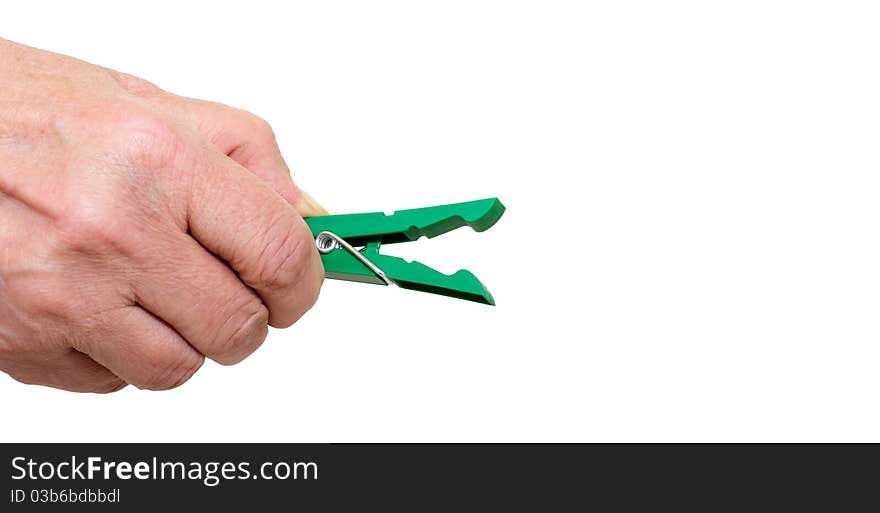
(307, 206)
(248, 140)
(236, 216)
(141, 349)
(210, 307)
(68, 370)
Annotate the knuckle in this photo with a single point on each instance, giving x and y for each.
(91, 225)
(261, 128)
(242, 334)
(101, 212)
(257, 145)
(135, 85)
(174, 372)
(284, 259)
(146, 138)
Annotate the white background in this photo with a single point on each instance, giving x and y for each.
(690, 251)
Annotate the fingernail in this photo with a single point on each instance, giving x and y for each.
(308, 207)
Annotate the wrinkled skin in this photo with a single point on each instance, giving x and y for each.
(140, 231)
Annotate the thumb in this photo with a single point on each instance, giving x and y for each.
(248, 140)
(306, 205)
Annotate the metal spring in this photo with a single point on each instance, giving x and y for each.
(326, 242)
(329, 241)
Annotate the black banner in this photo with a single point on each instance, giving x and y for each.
(126, 477)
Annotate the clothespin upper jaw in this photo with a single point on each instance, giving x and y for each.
(371, 230)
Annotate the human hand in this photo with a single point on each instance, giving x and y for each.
(139, 231)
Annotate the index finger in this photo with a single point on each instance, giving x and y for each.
(238, 217)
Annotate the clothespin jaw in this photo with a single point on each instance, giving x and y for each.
(337, 236)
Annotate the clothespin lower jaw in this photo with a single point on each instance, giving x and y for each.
(337, 236)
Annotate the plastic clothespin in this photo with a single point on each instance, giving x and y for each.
(338, 236)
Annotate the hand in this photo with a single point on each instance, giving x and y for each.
(139, 231)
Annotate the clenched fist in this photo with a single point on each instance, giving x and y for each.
(140, 232)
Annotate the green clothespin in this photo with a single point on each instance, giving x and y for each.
(338, 236)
